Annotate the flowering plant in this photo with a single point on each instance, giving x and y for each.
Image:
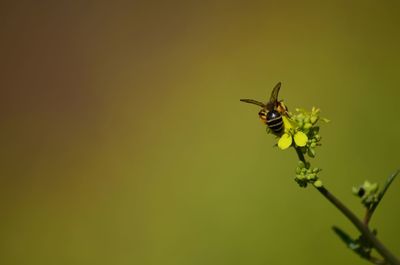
(301, 130)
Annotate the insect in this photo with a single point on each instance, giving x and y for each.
(271, 112)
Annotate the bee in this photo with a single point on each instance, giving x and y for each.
(271, 112)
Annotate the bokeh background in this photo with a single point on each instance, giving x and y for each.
(123, 140)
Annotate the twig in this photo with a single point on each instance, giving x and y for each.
(364, 230)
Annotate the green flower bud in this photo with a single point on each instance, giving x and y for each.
(300, 177)
(368, 193)
(355, 190)
(313, 119)
(317, 184)
(302, 182)
(307, 125)
(311, 152)
(316, 170)
(311, 176)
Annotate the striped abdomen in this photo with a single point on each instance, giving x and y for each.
(274, 121)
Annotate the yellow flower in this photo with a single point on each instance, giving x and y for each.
(290, 135)
(300, 138)
(285, 141)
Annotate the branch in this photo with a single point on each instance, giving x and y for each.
(361, 250)
(364, 230)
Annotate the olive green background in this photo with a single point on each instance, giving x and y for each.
(123, 140)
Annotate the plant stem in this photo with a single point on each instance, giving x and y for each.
(360, 226)
(300, 155)
(364, 230)
(368, 216)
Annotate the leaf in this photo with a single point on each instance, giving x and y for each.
(351, 243)
(358, 245)
(372, 207)
(389, 181)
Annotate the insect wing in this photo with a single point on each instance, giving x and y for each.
(274, 97)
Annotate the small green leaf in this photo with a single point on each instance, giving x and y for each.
(300, 164)
(389, 181)
(351, 243)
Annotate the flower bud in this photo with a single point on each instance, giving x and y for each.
(317, 184)
(316, 170)
(313, 119)
(311, 152)
(311, 176)
(300, 177)
(307, 125)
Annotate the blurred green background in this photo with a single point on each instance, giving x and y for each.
(123, 140)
